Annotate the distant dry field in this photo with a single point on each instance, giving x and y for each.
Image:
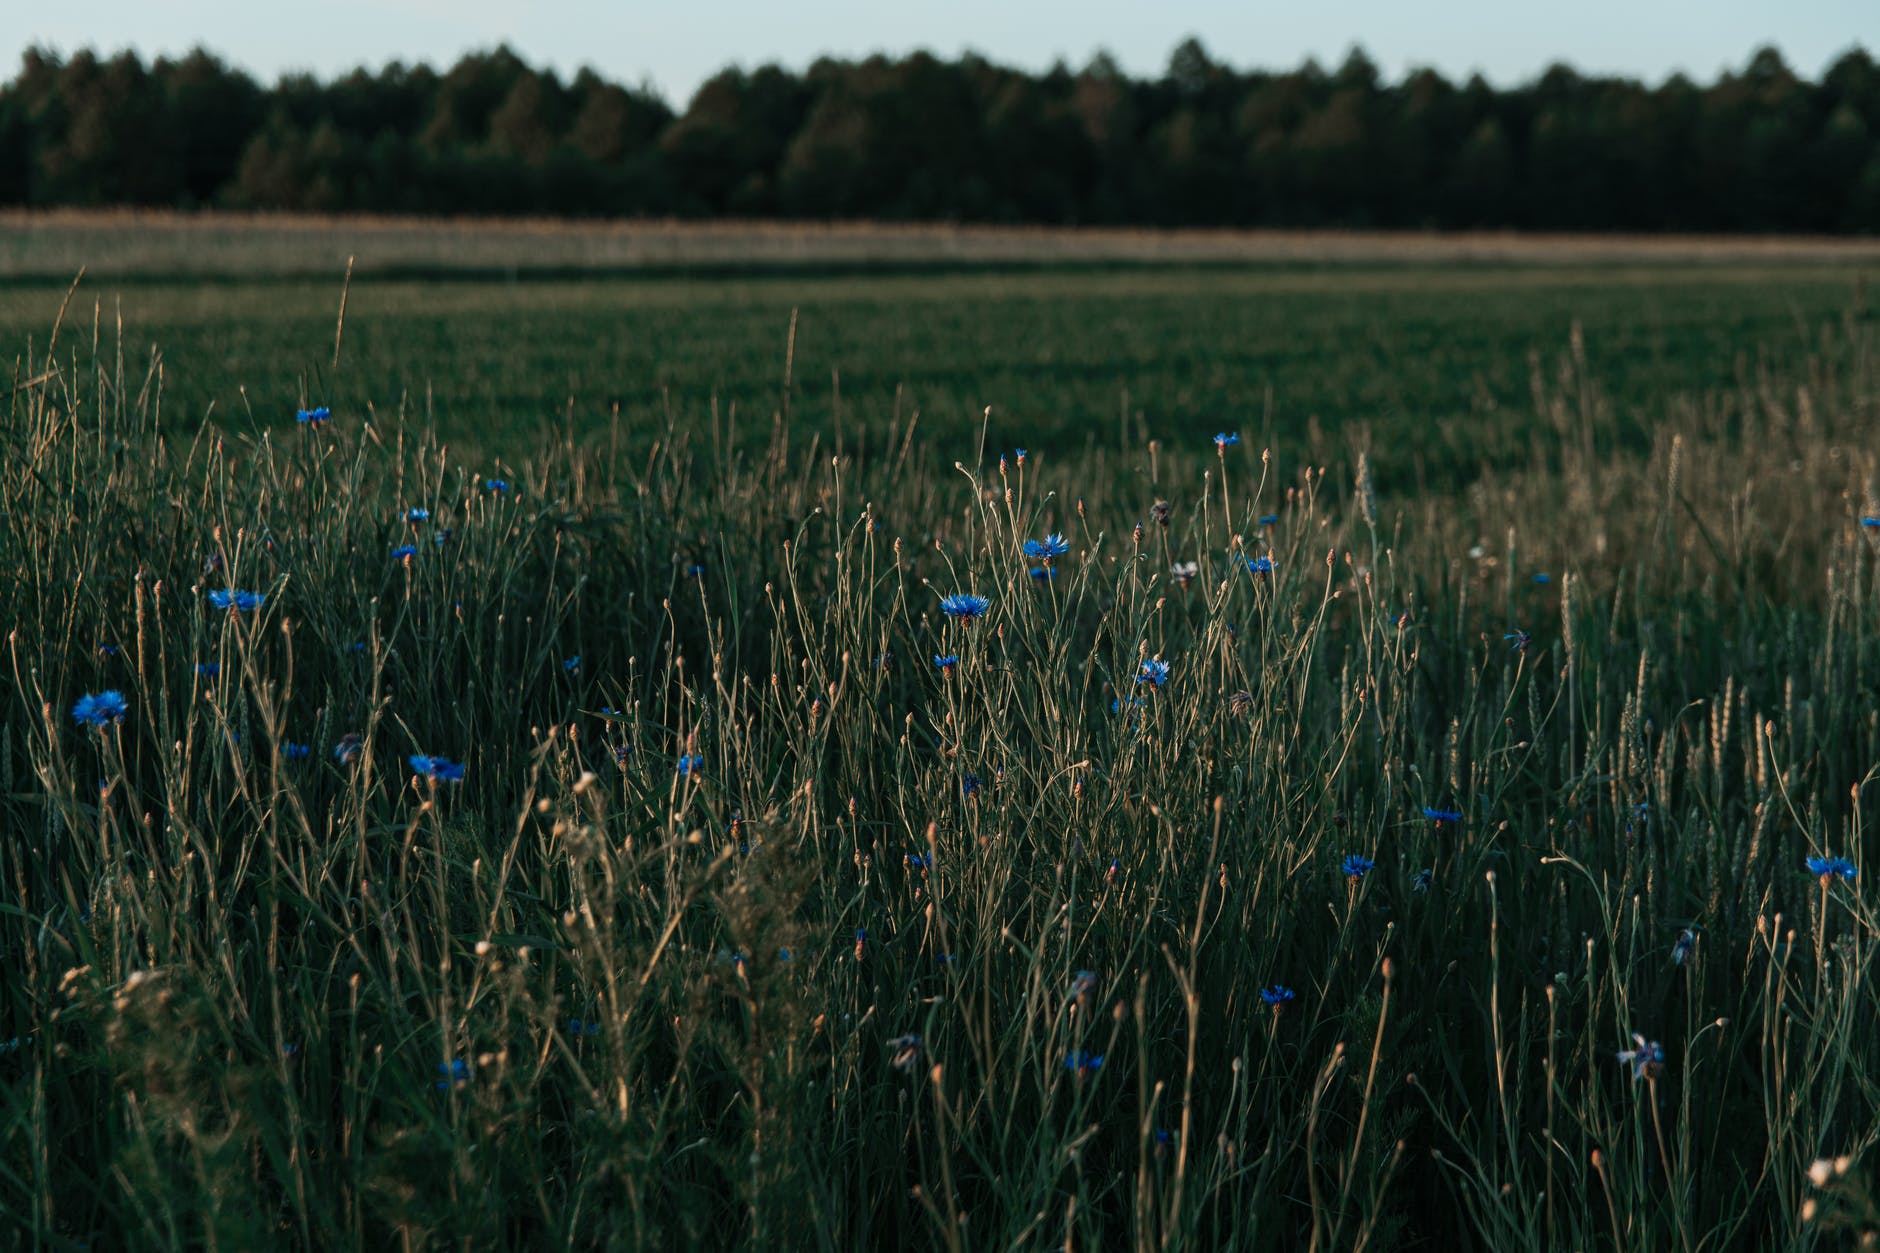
(130, 243)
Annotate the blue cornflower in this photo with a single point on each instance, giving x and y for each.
(581, 1027)
(1356, 865)
(496, 485)
(1268, 519)
(1259, 565)
(1521, 640)
(417, 514)
(1543, 578)
(970, 783)
(1020, 454)
(1083, 983)
(964, 606)
(920, 861)
(312, 417)
(241, 602)
(1224, 439)
(1422, 880)
(695, 571)
(346, 752)
(1153, 671)
(1277, 996)
(1440, 816)
(437, 769)
(1042, 574)
(456, 1073)
(1046, 549)
(296, 752)
(1685, 945)
(690, 764)
(1118, 705)
(106, 649)
(1826, 868)
(1645, 1060)
(404, 552)
(1872, 524)
(906, 1051)
(571, 664)
(209, 669)
(95, 711)
(946, 662)
(1079, 1062)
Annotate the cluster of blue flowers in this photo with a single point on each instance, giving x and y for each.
(436, 769)
(964, 606)
(1826, 868)
(1050, 548)
(1646, 1058)
(101, 709)
(240, 602)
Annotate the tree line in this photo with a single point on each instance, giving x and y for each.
(923, 138)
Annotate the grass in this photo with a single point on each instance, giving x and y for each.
(749, 925)
(1435, 360)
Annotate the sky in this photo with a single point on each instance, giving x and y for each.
(675, 46)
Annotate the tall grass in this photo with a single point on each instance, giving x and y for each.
(749, 925)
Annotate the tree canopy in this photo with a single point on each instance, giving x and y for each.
(920, 138)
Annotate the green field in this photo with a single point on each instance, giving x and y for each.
(1431, 361)
(1439, 819)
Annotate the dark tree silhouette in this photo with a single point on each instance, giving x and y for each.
(921, 138)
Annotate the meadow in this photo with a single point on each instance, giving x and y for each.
(1422, 360)
(1401, 778)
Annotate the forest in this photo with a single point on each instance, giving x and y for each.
(921, 138)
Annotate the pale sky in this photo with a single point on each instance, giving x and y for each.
(674, 46)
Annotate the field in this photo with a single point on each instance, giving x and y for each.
(1435, 818)
(1414, 356)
